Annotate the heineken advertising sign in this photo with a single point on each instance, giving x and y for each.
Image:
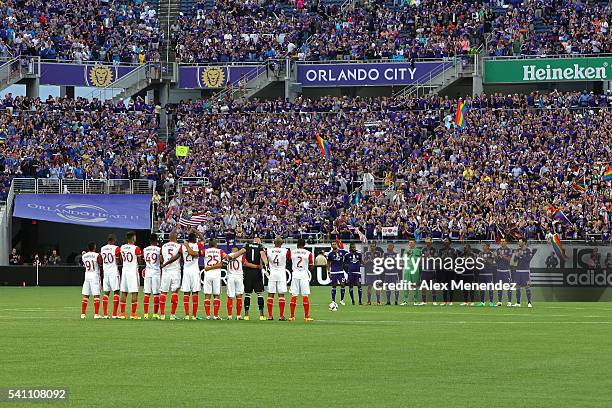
(547, 70)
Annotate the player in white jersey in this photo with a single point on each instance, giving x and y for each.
(152, 276)
(111, 259)
(131, 256)
(91, 286)
(278, 258)
(192, 282)
(235, 282)
(213, 258)
(302, 263)
(171, 275)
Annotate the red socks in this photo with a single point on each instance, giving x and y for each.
(207, 306)
(134, 306)
(84, 305)
(174, 301)
(115, 304)
(216, 306)
(155, 304)
(281, 306)
(195, 300)
(238, 306)
(96, 305)
(292, 304)
(270, 305)
(162, 303)
(186, 304)
(122, 308)
(306, 303)
(105, 304)
(146, 303)
(230, 303)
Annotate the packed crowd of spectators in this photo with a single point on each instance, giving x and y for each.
(550, 27)
(75, 138)
(116, 31)
(396, 162)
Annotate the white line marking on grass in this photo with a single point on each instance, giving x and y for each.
(396, 322)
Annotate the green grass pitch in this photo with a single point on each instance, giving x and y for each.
(554, 355)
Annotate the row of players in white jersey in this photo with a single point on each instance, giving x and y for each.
(162, 276)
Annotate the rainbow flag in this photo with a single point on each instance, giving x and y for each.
(555, 241)
(579, 186)
(558, 215)
(324, 147)
(607, 175)
(460, 114)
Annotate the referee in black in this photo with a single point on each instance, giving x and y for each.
(253, 278)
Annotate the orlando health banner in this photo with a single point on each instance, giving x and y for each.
(369, 74)
(126, 211)
(94, 75)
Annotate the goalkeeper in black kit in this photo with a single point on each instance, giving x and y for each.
(256, 258)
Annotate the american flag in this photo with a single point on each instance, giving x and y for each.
(191, 220)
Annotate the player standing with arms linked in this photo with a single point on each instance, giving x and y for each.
(235, 283)
(523, 257)
(503, 256)
(91, 286)
(256, 259)
(171, 275)
(335, 271)
(352, 263)
(192, 283)
(303, 265)
(485, 275)
(111, 259)
(374, 252)
(130, 281)
(212, 278)
(152, 276)
(279, 258)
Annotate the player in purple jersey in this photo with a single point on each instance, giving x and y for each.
(522, 256)
(468, 274)
(352, 265)
(428, 271)
(372, 253)
(485, 275)
(447, 275)
(503, 256)
(392, 275)
(335, 271)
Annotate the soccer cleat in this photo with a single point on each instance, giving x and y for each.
(491, 304)
(416, 304)
(342, 303)
(239, 317)
(529, 305)
(463, 304)
(217, 318)
(83, 316)
(480, 304)
(187, 318)
(308, 319)
(378, 304)
(174, 317)
(145, 316)
(122, 316)
(404, 304)
(230, 317)
(472, 304)
(353, 303)
(162, 317)
(262, 318)
(114, 317)
(388, 304)
(282, 319)
(208, 318)
(395, 303)
(434, 303)
(292, 319)
(246, 317)
(270, 318)
(105, 317)
(156, 316)
(498, 304)
(135, 317)
(97, 316)
(360, 304)
(508, 304)
(369, 303)
(196, 318)
(449, 304)
(516, 305)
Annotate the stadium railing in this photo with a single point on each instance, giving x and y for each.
(77, 186)
(545, 56)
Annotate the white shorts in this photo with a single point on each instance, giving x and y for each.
(130, 282)
(235, 286)
(151, 284)
(191, 281)
(91, 287)
(170, 281)
(212, 285)
(277, 286)
(300, 287)
(111, 283)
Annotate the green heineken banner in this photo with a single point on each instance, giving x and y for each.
(547, 70)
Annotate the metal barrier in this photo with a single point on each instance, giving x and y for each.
(78, 186)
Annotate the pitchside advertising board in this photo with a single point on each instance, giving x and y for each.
(504, 71)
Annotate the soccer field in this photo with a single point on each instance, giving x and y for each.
(554, 355)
